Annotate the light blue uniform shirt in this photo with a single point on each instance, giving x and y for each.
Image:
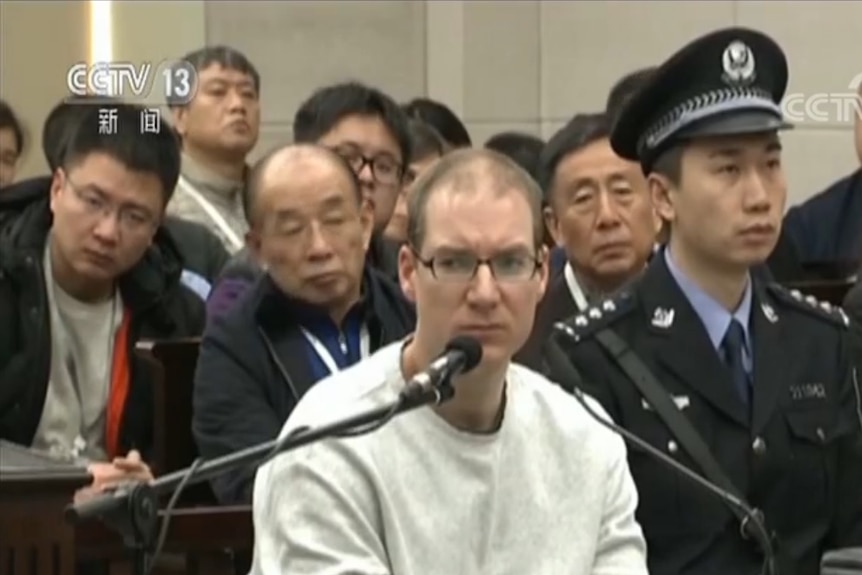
(716, 319)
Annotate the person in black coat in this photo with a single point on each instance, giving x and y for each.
(317, 307)
(86, 272)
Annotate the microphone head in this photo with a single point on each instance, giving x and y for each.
(470, 347)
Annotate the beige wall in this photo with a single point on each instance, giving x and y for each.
(39, 41)
(531, 65)
(501, 65)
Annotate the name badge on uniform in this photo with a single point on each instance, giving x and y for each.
(807, 391)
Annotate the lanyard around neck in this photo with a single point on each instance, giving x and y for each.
(326, 357)
(212, 212)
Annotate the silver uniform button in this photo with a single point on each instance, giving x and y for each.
(759, 446)
(672, 447)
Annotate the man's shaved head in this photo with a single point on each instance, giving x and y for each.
(465, 171)
(310, 227)
(287, 162)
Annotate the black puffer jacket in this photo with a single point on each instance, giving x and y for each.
(159, 308)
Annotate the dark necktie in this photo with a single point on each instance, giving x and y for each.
(732, 345)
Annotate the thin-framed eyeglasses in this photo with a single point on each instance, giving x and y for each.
(131, 219)
(462, 267)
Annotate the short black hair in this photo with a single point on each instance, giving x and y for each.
(127, 140)
(458, 171)
(424, 141)
(328, 106)
(582, 130)
(8, 120)
(259, 169)
(523, 149)
(669, 163)
(441, 118)
(226, 57)
(60, 124)
(625, 88)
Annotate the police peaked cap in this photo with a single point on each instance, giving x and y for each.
(727, 82)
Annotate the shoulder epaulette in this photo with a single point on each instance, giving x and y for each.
(597, 316)
(810, 304)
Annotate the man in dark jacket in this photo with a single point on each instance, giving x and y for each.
(319, 308)
(85, 273)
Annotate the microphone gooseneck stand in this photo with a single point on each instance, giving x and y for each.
(132, 510)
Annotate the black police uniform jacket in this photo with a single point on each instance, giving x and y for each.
(797, 459)
(158, 307)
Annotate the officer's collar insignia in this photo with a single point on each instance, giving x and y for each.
(769, 312)
(663, 318)
(738, 64)
(595, 316)
(682, 402)
(808, 302)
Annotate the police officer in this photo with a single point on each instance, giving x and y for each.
(761, 373)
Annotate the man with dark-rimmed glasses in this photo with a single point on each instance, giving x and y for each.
(86, 272)
(511, 476)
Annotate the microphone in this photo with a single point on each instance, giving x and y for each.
(752, 526)
(132, 509)
(462, 354)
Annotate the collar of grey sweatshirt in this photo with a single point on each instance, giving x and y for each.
(205, 180)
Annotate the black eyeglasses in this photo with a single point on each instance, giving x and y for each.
(385, 170)
(460, 267)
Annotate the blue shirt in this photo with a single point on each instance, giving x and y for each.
(344, 343)
(715, 317)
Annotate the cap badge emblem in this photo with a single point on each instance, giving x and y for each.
(738, 64)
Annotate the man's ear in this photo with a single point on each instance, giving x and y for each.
(407, 272)
(179, 114)
(253, 244)
(366, 219)
(660, 188)
(58, 183)
(543, 272)
(552, 223)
